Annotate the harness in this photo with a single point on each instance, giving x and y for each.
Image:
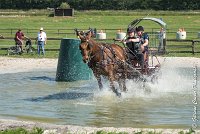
(106, 59)
(111, 59)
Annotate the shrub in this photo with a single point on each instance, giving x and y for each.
(64, 5)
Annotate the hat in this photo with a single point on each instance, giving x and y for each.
(41, 29)
(130, 30)
(139, 28)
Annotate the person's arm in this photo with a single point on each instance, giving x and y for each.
(132, 40)
(146, 40)
(26, 37)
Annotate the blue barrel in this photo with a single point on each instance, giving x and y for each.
(70, 65)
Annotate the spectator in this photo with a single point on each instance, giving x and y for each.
(41, 41)
(19, 36)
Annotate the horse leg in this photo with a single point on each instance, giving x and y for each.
(111, 79)
(124, 77)
(100, 82)
(122, 85)
(98, 77)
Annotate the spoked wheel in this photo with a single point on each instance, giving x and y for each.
(30, 50)
(14, 50)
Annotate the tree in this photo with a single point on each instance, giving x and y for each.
(64, 5)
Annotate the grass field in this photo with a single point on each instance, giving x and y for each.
(30, 24)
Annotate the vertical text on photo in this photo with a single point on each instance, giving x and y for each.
(194, 100)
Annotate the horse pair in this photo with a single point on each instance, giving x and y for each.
(104, 59)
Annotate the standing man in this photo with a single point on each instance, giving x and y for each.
(41, 39)
(19, 39)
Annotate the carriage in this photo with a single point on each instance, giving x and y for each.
(150, 65)
(111, 60)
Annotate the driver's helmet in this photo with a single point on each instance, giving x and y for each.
(139, 28)
(130, 30)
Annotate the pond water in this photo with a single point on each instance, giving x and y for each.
(37, 96)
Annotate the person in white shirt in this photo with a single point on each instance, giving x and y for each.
(41, 41)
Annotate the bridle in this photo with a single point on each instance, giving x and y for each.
(88, 43)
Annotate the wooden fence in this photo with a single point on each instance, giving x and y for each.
(190, 46)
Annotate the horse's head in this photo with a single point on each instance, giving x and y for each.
(85, 46)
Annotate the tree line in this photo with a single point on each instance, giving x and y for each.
(103, 4)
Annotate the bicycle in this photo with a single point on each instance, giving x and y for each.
(28, 46)
(13, 50)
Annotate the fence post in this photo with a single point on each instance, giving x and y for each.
(192, 46)
(164, 45)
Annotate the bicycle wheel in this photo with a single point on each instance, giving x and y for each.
(14, 50)
(11, 50)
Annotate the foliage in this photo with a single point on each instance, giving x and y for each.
(191, 131)
(103, 4)
(64, 5)
(22, 131)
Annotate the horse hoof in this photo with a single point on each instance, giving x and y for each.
(118, 94)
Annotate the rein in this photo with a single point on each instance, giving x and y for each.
(90, 53)
(102, 48)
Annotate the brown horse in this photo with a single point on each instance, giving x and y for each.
(104, 59)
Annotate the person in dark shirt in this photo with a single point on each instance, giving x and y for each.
(144, 42)
(131, 42)
(19, 36)
(144, 38)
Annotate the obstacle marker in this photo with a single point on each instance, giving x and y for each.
(70, 65)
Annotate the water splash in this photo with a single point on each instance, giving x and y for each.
(173, 78)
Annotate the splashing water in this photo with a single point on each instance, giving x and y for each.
(36, 95)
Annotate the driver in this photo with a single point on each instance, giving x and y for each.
(133, 47)
(130, 42)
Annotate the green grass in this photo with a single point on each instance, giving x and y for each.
(101, 20)
(22, 131)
